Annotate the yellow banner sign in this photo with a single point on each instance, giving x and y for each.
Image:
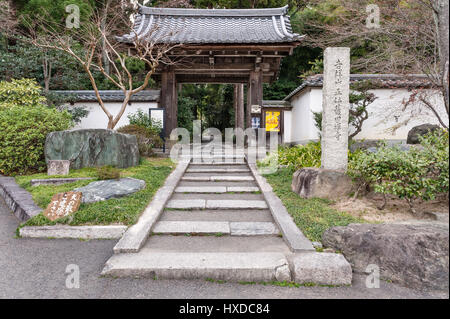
(273, 119)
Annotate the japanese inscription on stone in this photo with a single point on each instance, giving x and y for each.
(63, 204)
(335, 106)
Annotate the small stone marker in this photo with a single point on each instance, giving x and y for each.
(58, 167)
(63, 204)
(335, 105)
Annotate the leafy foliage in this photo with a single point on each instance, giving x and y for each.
(23, 131)
(147, 138)
(419, 173)
(24, 92)
(140, 118)
(296, 157)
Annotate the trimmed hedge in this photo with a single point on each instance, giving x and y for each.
(23, 131)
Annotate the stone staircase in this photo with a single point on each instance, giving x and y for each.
(218, 225)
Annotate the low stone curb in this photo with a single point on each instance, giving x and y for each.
(58, 181)
(135, 237)
(18, 199)
(293, 236)
(78, 232)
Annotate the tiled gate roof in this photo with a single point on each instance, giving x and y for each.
(212, 26)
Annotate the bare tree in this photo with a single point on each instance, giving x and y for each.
(412, 37)
(8, 21)
(98, 38)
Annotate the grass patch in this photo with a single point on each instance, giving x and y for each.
(125, 210)
(312, 216)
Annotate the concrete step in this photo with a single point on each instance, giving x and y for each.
(216, 244)
(216, 228)
(217, 170)
(261, 215)
(218, 183)
(217, 178)
(219, 196)
(216, 204)
(202, 265)
(216, 189)
(216, 166)
(219, 163)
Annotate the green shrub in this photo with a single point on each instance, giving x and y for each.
(297, 157)
(108, 172)
(24, 92)
(23, 131)
(146, 137)
(419, 173)
(142, 119)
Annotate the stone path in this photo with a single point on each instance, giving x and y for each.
(217, 224)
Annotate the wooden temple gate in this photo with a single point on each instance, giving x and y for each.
(237, 46)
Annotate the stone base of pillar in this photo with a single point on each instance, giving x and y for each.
(311, 182)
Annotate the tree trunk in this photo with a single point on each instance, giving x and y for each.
(441, 18)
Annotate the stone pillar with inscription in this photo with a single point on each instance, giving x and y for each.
(335, 105)
(331, 181)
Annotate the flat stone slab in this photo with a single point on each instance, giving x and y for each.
(237, 162)
(191, 227)
(242, 189)
(235, 204)
(220, 266)
(253, 228)
(215, 189)
(187, 204)
(77, 232)
(58, 181)
(218, 178)
(321, 268)
(103, 190)
(231, 178)
(201, 189)
(217, 170)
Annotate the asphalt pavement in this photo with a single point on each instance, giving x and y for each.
(36, 268)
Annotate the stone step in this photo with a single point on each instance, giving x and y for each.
(261, 215)
(231, 266)
(216, 244)
(188, 227)
(219, 163)
(217, 178)
(217, 170)
(216, 204)
(218, 183)
(212, 228)
(218, 196)
(216, 189)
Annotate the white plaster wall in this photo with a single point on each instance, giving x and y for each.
(287, 123)
(97, 118)
(387, 118)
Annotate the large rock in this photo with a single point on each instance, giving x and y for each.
(113, 188)
(313, 182)
(92, 148)
(415, 132)
(411, 254)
